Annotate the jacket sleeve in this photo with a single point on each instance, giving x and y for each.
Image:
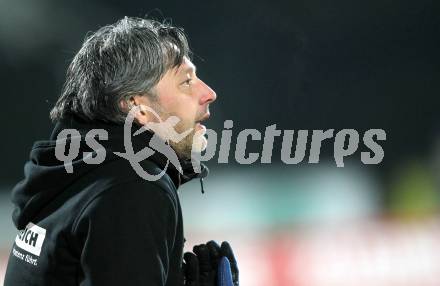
(125, 236)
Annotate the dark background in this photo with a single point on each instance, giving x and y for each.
(298, 64)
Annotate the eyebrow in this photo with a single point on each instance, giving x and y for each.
(190, 69)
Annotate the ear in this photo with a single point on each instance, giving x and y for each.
(124, 105)
(137, 101)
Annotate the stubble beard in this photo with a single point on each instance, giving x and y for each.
(193, 142)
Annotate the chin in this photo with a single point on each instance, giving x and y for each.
(199, 143)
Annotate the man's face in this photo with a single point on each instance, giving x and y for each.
(182, 94)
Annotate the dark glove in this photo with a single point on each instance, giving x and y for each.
(201, 268)
(224, 274)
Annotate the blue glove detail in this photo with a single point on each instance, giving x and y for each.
(224, 273)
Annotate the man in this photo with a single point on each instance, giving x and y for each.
(91, 219)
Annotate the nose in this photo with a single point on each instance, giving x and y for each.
(208, 95)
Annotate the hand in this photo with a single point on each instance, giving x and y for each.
(201, 267)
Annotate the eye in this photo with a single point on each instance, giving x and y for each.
(187, 82)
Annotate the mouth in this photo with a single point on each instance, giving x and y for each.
(199, 125)
(204, 117)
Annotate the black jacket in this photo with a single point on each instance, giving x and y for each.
(100, 225)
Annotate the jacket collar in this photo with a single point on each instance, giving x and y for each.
(115, 143)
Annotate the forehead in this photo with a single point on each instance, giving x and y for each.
(186, 67)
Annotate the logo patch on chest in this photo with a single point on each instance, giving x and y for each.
(31, 238)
